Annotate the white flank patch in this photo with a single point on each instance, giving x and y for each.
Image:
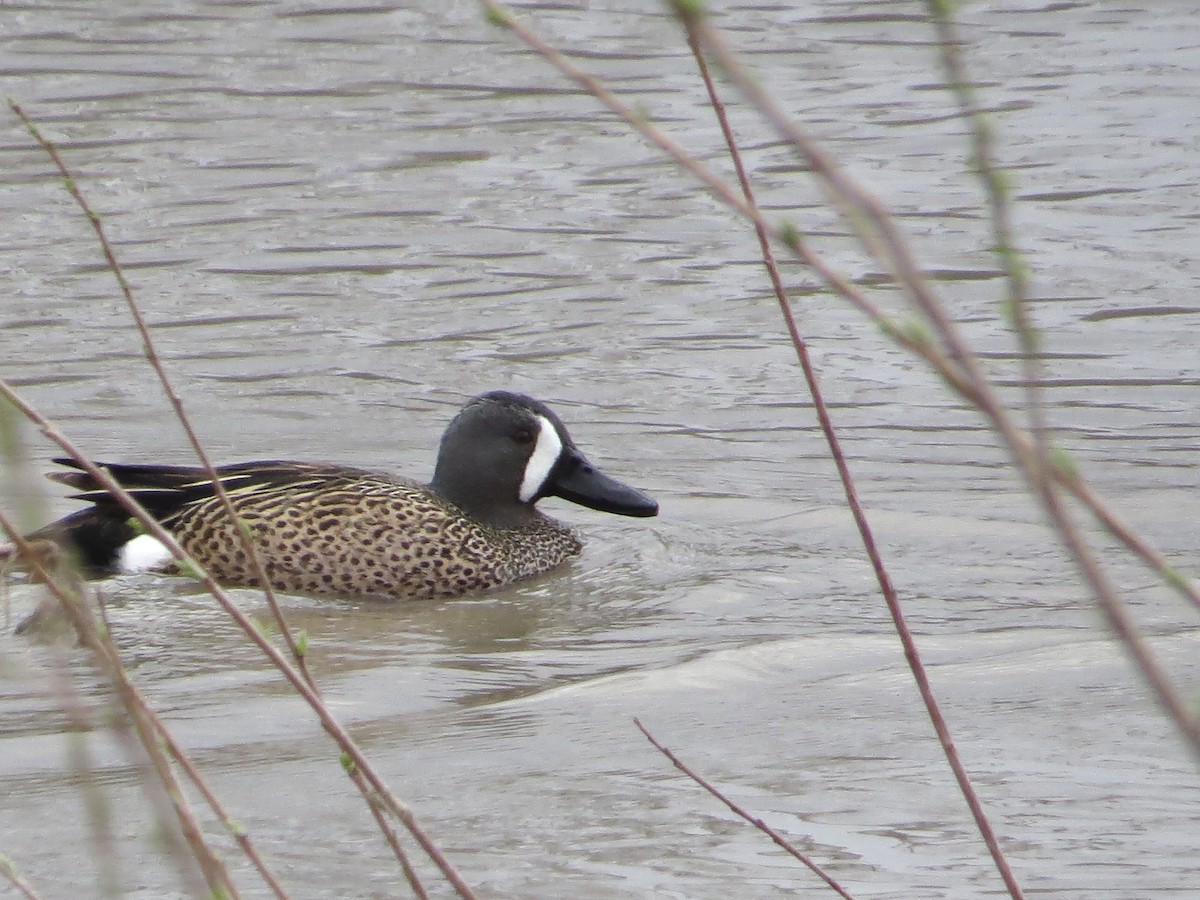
(545, 455)
(143, 554)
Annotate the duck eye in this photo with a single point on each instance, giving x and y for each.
(523, 436)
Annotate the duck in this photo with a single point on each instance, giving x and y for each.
(330, 529)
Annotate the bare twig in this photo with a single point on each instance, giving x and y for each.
(738, 810)
(219, 489)
(1017, 306)
(377, 787)
(1016, 277)
(379, 810)
(862, 210)
(181, 758)
(955, 365)
(45, 560)
(168, 389)
(886, 586)
(293, 676)
(9, 871)
(1023, 451)
(95, 803)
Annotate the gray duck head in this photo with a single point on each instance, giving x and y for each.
(503, 452)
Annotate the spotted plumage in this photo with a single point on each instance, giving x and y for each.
(332, 529)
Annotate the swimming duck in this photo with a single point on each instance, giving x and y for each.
(332, 529)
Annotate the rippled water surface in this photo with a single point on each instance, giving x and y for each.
(343, 220)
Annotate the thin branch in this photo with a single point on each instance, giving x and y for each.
(964, 381)
(995, 191)
(762, 826)
(886, 587)
(106, 851)
(913, 339)
(168, 389)
(9, 871)
(954, 367)
(97, 809)
(45, 561)
(1037, 468)
(379, 810)
(1017, 305)
(293, 676)
(179, 755)
(865, 213)
(298, 652)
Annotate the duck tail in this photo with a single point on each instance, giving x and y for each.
(103, 537)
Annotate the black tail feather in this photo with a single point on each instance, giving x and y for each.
(96, 534)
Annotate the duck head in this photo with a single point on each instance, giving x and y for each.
(503, 452)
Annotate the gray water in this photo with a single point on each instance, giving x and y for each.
(343, 220)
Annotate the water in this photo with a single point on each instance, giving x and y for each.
(342, 221)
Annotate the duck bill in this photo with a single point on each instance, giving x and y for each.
(577, 480)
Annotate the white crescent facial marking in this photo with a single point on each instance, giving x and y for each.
(143, 554)
(545, 454)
